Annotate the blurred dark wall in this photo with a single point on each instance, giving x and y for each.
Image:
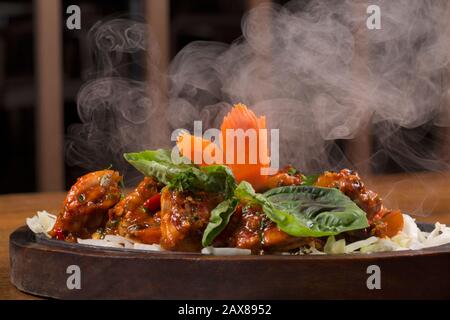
(77, 60)
(218, 20)
(17, 97)
(190, 20)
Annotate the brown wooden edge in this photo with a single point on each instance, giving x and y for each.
(40, 268)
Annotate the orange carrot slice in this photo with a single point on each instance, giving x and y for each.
(245, 158)
(193, 147)
(242, 118)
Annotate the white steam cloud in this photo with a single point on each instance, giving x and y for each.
(315, 71)
(118, 113)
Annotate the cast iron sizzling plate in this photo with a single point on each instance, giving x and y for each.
(41, 267)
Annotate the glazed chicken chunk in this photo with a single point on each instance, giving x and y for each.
(351, 185)
(184, 217)
(133, 217)
(176, 220)
(250, 228)
(383, 222)
(86, 205)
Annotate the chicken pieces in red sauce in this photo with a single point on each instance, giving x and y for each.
(86, 205)
(383, 222)
(184, 217)
(250, 228)
(349, 183)
(176, 220)
(287, 176)
(131, 218)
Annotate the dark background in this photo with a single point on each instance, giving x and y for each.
(217, 20)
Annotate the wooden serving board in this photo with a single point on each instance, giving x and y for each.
(42, 267)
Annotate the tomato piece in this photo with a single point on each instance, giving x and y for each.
(394, 221)
(389, 225)
(153, 204)
(59, 234)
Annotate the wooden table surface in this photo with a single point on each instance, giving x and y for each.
(425, 195)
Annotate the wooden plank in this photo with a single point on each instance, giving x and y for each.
(49, 115)
(359, 149)
(254, 3)
(157, 13)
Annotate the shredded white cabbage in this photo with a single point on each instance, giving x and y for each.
(100, 243)
(124, 242)
(410, 238)
(120, 242)
(42, 222)
(313, 251)
(148, 247)
(334, 247)
(360, 244)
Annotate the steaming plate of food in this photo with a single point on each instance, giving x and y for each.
(224, 230)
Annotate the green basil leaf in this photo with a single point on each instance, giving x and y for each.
(306, 211)
(159, 164)
(218, 177)
(309, 180)
(219, 219)
(324, 211)
(156, 163)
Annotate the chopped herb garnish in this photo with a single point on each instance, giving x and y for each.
(309, 180)
(135, 227)
(113, 223)
(105, 180)
(110, 196)
(262, 227)
(81, 197)
(264, 223)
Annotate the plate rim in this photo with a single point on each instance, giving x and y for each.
(36, 240)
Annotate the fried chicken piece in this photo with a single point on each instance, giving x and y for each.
(388, 225)
(250, 228)
(383, 222)
(131, 219)
(282, 178)
(87, 204)
(184, 217)
(352, 186)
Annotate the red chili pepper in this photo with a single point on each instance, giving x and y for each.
(153, 204)
(59, 234)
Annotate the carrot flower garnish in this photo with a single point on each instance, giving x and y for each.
(243, 146)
